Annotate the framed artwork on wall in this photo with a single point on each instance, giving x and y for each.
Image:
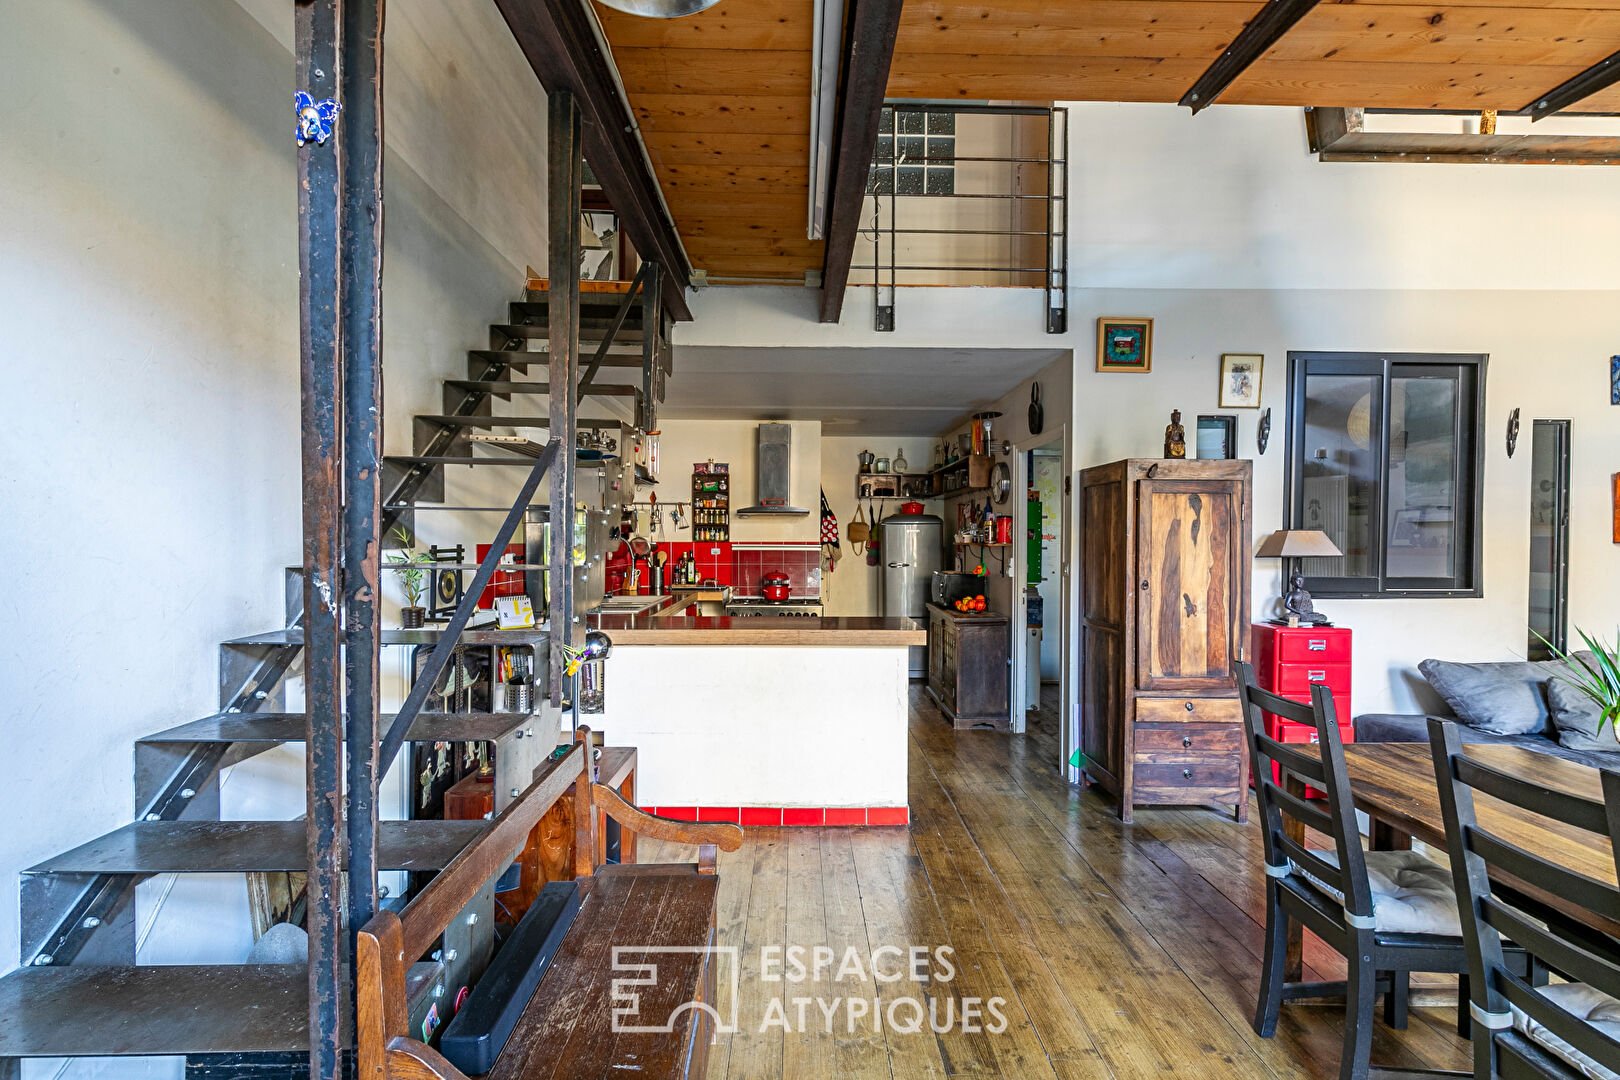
(1240, 380)
(1217, 437)
(1124, 344)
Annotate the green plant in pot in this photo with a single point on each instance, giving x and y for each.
(412, 579)
(1596, 676)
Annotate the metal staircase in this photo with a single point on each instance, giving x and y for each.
(79, 991)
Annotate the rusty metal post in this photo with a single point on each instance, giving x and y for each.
(565, 171)
(362, 255)
(319, 302)
(652, 323)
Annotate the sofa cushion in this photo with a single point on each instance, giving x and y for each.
(1576, 718)
(1505, 699)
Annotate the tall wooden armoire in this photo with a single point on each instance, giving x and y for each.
(1165, 549)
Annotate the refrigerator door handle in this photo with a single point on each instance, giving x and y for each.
(898, 565)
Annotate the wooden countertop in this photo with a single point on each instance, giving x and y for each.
(987, 617)
(760, 630)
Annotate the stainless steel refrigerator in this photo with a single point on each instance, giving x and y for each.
(909, 552)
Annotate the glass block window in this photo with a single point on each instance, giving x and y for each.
(915, 153)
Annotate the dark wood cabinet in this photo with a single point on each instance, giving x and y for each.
(1164, 556)
(967, 667)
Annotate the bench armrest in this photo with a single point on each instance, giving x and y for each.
(708, 835)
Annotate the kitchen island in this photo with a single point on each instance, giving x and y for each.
(763, 720)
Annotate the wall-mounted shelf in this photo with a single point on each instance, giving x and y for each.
(973, 472)
(978, 544)
(891, 485)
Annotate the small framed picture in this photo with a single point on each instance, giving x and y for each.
(1240, 380)
(1124, 344)
(1217, 437)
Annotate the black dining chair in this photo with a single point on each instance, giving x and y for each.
(1388, 913)
(1568, 1030)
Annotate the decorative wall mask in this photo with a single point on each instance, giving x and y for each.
(1513, 432)
(1262, 435)
(315, 118)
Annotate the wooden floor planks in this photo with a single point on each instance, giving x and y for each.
(1121, 951)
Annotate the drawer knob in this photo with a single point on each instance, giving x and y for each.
(1186, 774)
(1186, 740)
(1189, 706)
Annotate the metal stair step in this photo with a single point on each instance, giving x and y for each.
(96, 1011)
(625, 342)
(505, 387)
(594, 306)
(289, 727)
(238, 847)
(525, 357)
(488, 421)
(294, 635)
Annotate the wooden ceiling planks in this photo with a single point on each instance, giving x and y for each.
(723, 97)
(723, 101)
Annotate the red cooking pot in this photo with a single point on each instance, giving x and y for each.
(774, 586)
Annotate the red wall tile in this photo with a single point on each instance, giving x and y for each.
(888, 815)
(679, 813)
(801, 815)
(846, 815)
(718, 813)
(761, 815)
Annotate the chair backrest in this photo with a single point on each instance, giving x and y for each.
(1565, 919)
(1295, 867)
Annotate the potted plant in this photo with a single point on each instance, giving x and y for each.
(1597, 677)
(412, 579)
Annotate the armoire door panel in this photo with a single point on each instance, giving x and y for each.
(1188, 577)
(1103, 506)
(1102, 710)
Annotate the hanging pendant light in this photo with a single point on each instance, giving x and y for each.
(661, 9)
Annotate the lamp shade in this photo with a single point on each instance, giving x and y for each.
(1297, 544)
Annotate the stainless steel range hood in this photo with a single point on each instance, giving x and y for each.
(773, 474)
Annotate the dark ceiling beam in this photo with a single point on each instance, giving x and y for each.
(1262, 32)
(1600, 76)
(561, 45)
(863, 81)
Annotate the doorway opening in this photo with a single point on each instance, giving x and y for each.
(1041, 675)
(1549, 538)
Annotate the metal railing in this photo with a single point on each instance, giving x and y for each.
(899, 255)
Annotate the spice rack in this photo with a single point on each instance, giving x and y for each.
(711, 502)
(892, 485)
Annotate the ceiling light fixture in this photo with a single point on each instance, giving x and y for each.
(661, 9)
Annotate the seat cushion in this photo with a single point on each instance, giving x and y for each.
(1410, 894)
(1507, 698)
(1586, 1003)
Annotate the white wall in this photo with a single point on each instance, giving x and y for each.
(148, 212)
(855, 589)
(1235, 239)
(682, 443)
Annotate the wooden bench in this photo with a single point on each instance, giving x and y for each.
(566, 1031)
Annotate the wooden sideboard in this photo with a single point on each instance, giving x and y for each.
(1165, 550)
(967, 667)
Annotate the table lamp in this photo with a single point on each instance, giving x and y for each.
(1292, 545)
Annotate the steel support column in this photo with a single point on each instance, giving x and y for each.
(362, 237)
(320, 378)
(652, 325)
(565, 172)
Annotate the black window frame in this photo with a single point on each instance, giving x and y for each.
(1469, 515)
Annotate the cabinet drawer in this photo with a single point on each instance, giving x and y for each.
(1297, 679)
(1186, 710)
(1313, 647)
(1190, 781)
(1186, 742)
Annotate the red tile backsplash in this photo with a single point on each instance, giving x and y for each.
(846, 815)
(800, 562)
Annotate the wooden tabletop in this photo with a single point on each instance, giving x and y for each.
(1394, 784)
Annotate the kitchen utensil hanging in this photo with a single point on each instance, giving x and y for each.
(1037, 412)
(859, 532)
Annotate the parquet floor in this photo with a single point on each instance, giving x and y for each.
(1119, 951)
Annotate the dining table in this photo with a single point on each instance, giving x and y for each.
(1394, 785)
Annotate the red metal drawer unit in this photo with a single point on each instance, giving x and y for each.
(1289, 659)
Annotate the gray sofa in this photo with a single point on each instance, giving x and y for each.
(1513, 704)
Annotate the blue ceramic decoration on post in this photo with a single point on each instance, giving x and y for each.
(315, 118)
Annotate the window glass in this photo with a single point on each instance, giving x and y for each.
(1423, 480)
(1339, 480)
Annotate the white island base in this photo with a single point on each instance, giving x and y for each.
(763, 734)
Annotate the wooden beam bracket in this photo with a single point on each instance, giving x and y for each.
(1262, 32)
